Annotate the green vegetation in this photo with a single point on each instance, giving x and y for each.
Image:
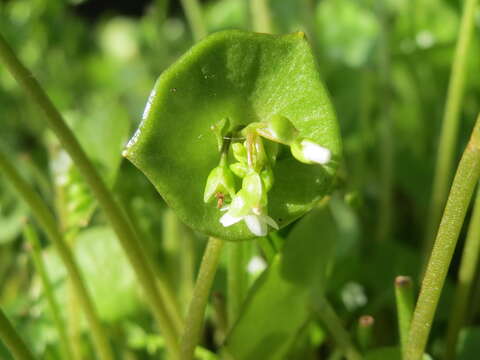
(289, 192)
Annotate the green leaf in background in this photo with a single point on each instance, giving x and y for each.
(106, 271)
(245, 77)
(352, 36)
(103, 132)
(12, 216)
(468, 346)
(278, 304)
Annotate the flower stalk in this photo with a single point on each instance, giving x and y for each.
(468, 173)
(196, 310)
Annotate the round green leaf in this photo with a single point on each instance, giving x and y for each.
(245, 77)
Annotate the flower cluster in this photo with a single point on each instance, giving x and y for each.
(254, 162)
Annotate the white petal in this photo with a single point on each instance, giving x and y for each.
(315, 153)
(270, 221)
(256, 225)
(228, 220)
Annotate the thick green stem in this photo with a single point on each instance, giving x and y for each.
(236, 279)
(405, 300)
(12, 340)
(114, 213)
(45, 218)
(334, 325)
(448, 134)
(261, 18)
(31, 236)
(193, 12)
(196, 311)
(466, 277)
(467, 175)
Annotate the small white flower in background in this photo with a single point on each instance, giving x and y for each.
(256, 265)
(309, 152)
(353, 296)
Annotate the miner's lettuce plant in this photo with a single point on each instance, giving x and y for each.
(242, 117)
(241, 159)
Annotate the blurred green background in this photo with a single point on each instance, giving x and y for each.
(386, 64)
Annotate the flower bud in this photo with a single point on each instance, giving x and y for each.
(252, 184)
(267, 178)
(278, 129)
(239, 169)
(308, 152)
(220, 180)
(239, 152)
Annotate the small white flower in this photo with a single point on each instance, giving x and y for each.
(315, 153)
(309, 152)
(257, 224)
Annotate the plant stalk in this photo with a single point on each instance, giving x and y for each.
(468, 173)
(31, 236)
(334, 325)
(196, 311)
(193, 12)
(405, 300)
(466, 277)
(386, 140)
(449, 130)
(261, 17)
(46, 220)
(365, 332)
(114, 213)
(12, 340)
(236, 280)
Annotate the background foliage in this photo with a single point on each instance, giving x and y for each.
(386, 65)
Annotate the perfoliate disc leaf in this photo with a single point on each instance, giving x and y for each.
(245, 77)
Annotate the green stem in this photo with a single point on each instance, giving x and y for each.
(466, 277)
(365, 331)
(448, 134)
(114, 213)
(45, 218)
(196, 311)
(31, 236)
(261, 18)
(386, 134)
(405, 300)
(334, 325)
(12, 340)
(193, 12)
(235, 280)
(468, 173)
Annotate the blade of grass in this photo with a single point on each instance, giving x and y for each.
(236, 279)
(448, 134)
(196, 310)
(31, 236)
(193, 12)
(12, 340)
(386, 137)
(332, 322)
(466, 277)
(468, 173)
(115, 214)
(45, 218)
